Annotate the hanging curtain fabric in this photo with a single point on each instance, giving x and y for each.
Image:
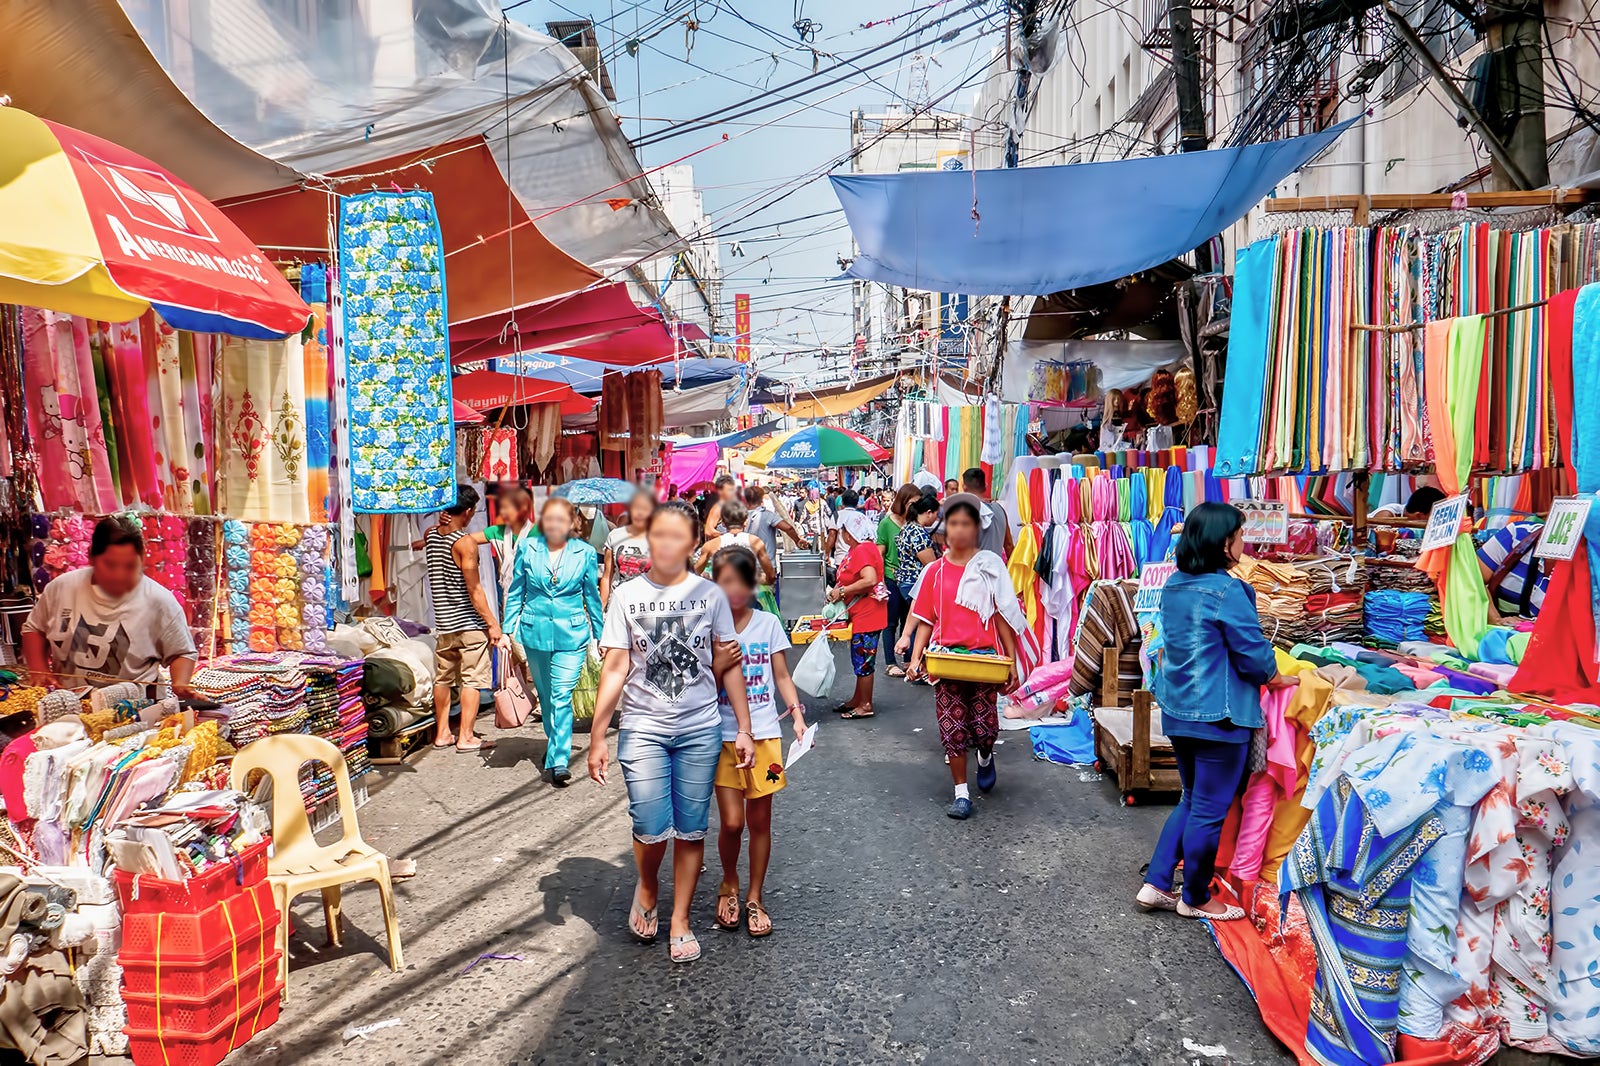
(319, 443)
(499, 458)
(1455, 372)
(402, 440)
(261, 431)
(168, 424)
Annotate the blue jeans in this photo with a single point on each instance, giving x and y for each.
(1211, 772)
(555, 675)
(669, 782)
(898, 606)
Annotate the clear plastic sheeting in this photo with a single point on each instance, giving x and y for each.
(325, 85)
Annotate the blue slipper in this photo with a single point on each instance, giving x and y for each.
(987, 775)
(960, 808)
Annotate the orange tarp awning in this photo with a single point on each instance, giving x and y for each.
(475, 211)
(830, 402)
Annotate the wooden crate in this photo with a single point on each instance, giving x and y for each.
(1139, 757)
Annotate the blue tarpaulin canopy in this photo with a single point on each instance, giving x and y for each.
(584, 376)
(1044, 229)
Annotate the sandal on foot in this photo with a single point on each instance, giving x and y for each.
(895, 671)
(1231, 914)
(690, 945)
(722, 899)
(646, 917)
(483, 745)
(844, 708)
(854, 713)
(753, 910)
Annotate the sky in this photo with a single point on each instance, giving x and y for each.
(680, 74)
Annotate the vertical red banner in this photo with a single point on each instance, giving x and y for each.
(741, 327)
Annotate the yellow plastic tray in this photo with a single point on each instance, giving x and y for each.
(808, 627)
(983, 669)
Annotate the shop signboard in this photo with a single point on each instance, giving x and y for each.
(1265, 521)
(1563, 530)
(1444, 522)
(1152, 579)
(741, 327)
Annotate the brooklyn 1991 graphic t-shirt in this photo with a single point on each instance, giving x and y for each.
(669, 632)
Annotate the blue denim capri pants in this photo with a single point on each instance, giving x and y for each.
(669, 781)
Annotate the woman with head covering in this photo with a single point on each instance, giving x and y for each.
(860, 587)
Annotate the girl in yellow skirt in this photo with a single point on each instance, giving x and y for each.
(744, 797)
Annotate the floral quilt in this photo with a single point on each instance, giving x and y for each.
(397, 355)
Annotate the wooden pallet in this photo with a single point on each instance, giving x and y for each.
(1139, 757)
(395, 750)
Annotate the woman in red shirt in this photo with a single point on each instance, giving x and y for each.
(967, 711)
(860, 586)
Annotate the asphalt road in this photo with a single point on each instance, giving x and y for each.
(901, 936)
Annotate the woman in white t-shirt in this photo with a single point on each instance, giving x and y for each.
(668, 639)
(627, 551)
(744, 796)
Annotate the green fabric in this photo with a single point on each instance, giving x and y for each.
(1517, 646)
(888, 534)
(1466, 599)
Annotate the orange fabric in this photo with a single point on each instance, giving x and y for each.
(1436, 375)
(1277, 963)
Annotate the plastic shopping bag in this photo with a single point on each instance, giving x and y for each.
(583, 697)
(815, 672)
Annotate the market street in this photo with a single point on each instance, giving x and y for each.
(901, 936)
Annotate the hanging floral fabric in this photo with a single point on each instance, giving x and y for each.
(64, 413)
(499, 461)
(261, 435)
(402, 441)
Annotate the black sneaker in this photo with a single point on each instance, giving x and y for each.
(560, 777)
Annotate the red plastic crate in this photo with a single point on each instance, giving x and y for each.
(196, 894)
(195, 979)
(150, 1048)
(175, 1014)
(248, 920)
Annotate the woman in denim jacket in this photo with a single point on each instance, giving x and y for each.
(1208, 681)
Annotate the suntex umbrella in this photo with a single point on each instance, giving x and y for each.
(812, 446)
(92, 229)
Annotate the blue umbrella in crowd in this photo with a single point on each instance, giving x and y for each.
(597, 491)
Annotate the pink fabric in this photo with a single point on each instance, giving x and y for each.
(687, 467)
(1282, 763)
(1420, 675)
(44, 417)
(1048, 676)
(125, 368)
(1500, 673)
(1255, 823)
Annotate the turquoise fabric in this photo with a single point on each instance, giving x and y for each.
(1239, 434)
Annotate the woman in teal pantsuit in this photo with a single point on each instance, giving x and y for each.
(553, 612)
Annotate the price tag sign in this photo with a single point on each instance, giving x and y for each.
(1444, 522)
(1265, 521)
(1563, 530)
(1151, 581)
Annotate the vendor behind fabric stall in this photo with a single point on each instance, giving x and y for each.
(108, 622)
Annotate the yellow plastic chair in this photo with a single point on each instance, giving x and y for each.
(299, 864)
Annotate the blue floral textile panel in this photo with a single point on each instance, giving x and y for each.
(397, 354)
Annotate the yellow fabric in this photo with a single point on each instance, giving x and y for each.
(49, 254)
(828, 403)
(1310, 701)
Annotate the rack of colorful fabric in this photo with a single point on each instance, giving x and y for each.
(1329, 367)
(948, 439)
(263, 693)
(1439, 895)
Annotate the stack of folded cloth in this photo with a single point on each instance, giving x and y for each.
(1316, 602)
(264, 694)
(1393, 615)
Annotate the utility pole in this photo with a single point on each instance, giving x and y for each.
(1526, 123)
(1191, 105)
(1514, 28)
